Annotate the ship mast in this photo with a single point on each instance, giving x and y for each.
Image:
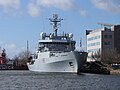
(55, 21)
(27, 49)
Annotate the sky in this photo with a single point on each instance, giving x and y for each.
(22, 20)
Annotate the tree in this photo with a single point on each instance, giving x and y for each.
(96, 56)
(21, 58)
(108, 56)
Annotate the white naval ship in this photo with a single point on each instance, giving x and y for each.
(56, 53)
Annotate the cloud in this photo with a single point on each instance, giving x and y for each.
(9, 4)
(83, 13)
(35, 6)
(112, 6)
(60, 4)
(10, 7)
(33, 10)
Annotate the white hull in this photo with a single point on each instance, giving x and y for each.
(58, 62)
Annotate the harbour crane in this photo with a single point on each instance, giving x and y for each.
(105, 24)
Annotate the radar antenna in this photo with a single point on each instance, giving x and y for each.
(55, 22)
(80, 42)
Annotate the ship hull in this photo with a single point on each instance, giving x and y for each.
(59, 62)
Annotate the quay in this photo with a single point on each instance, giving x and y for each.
(95, 68)
(115, 72)
(99, 68)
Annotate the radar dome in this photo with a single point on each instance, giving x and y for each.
(42, 35)
(70, 35)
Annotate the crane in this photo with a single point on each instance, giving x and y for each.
(105, 24)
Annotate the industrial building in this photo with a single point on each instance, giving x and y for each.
(107, 37)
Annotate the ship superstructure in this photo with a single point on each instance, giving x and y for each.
(56, 53)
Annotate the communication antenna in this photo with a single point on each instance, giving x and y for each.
(27, 49)
(80, 42)
(55, 22)
(0, 49)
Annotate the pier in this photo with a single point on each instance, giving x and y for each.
(95, 67)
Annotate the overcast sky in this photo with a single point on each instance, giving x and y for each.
(22, 20)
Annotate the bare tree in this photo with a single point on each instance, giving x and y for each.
(21, 58)
(96, 56)
(108, 56)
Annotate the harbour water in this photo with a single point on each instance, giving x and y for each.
(26, 80)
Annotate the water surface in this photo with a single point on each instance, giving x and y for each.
(26, 80)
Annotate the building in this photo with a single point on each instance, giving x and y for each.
(103, 39)
(116, 30)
